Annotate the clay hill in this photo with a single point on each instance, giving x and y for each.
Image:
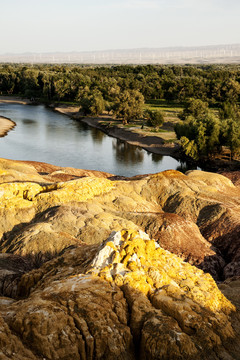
(94, 266)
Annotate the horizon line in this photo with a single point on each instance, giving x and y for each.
(180, 47)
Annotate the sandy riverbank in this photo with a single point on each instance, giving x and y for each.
(5, 123)
(133, 135)
(157, 143)
(14, 100)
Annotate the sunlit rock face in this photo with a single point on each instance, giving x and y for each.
(75, 284)
(45, 209)
(126, 298)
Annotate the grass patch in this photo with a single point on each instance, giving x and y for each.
(171, 111)
(157, 130)
(163, 105)
(70, 103)
(170, 141)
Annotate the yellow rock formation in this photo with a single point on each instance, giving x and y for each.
(126, 297)
(28, 194)
(131, 258)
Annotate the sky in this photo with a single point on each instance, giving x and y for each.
(88, 25)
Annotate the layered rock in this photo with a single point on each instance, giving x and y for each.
(125, 299)
(195, 216)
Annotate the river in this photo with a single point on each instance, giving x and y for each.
(47, 136)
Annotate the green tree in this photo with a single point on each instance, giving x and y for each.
(29, 82)
(61, 88)
(189, 147)
(85, 104)
(202, 134)
(229, 111)
(92, 104)
(154, 118)
(230, 91)
(129, 105)
(231, 135)
(7, 80)
(194, 107)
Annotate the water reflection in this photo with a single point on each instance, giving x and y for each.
(126, 153)
(157, 158)
(97, 135)
(47, 136)
(29, 122)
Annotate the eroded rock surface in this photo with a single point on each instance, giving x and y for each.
(127, 298)
(196, 216)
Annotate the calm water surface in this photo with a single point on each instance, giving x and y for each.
(47, 136)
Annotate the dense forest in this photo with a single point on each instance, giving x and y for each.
(209, 93)
(213, 83)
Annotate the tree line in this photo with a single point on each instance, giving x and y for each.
(123, 89)
(213, 83)
(203, 132)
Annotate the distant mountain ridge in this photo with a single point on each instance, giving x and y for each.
(168, 55)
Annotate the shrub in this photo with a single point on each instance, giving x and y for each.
(155, 118)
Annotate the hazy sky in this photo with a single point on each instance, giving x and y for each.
(81, 25)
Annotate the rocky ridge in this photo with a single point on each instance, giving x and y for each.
(127, 297)
(46, 209)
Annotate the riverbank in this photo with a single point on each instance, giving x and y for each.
(14, 100)
(132, 135)
(5, 125)
(159, 143)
